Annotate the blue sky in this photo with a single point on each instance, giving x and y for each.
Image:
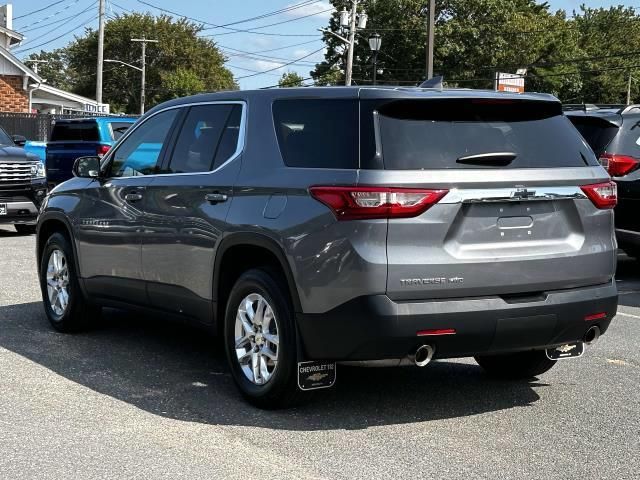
(295, 39)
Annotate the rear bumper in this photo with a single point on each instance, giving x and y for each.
(627, 238)
(375, 327)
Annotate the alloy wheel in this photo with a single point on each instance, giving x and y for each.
(58, 282)
(256, 339)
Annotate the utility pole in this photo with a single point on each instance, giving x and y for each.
(35, 64)
(100, 51)
(629, 89)
(431, 20)
(352, 36)
(144, 42)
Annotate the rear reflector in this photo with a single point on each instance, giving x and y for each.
(436, 331)
(357, 203)
(595, 316)
(619, 165)
(603, 195)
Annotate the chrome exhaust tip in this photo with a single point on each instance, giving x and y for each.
(423, 355)
(592, 335)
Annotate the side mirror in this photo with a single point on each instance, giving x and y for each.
(86, 167)
(19, 140)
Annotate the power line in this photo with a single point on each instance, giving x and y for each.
(235, 30)
(243, 54)
(275, 12)
(94, 17)
(250, 30)
(38, 10)
(66, 7)
(282, 66)
(59, 20)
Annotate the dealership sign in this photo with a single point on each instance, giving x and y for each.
(96, 108)
(510, 82)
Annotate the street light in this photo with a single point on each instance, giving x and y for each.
(135, 68)
(375, 41)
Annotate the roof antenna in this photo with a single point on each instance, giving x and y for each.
(433, 82)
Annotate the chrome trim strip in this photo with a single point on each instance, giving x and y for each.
(487, 195)
(21, 206)
(239, 148)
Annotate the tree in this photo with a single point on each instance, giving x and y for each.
(474, 39)
(181, 63)
(55, 71)
(290, 79)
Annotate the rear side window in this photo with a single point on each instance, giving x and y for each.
(118, 128)
(208, 137)
(76, 132)
(445, 134)
(596, 131)
(317, 133)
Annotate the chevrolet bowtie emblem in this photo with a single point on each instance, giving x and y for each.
(316, 377)
(565, 348)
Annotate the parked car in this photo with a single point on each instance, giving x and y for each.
(614, 134)
(22, 184)
(78, 137)
(37, 148)
(314, 226)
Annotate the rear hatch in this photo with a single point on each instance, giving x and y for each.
(514, 218)
(70, 140)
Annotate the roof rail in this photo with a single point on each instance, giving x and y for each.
(579, 106)
(628, 108)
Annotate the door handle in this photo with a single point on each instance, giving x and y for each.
(133, 197)
(216, 197)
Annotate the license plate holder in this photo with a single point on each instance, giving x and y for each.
(568, 350)
(3, 208)
(316, 374)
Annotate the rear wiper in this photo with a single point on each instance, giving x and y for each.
(499, 159)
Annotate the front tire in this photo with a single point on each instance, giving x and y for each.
(25, 229)
(260, 340)
(519, 365)
(65, 305)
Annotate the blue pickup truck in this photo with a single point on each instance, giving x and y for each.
(80, 137)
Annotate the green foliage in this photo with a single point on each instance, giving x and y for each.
(290, 79)
(55, 71)
(474, 39)
(181, 63)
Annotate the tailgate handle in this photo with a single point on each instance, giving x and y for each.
(133, 197)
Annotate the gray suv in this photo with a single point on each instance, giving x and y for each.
(377, 226)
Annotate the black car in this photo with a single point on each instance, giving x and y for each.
(613, 132)
(23, 185)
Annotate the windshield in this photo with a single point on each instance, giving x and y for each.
(435, 134)
(5, 139)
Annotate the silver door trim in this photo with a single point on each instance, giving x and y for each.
(517, 194)
(239, 148)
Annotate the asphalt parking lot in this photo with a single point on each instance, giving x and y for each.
(139, 397)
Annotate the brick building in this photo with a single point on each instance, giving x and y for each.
(23, 90)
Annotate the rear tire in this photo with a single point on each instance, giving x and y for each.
(254, 289)
(24, 229)
(64, 303)
(519, 365)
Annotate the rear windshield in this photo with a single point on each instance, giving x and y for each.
(596, 131)
(314, 133)
(75, 131)
(118, 128)
(469, 133)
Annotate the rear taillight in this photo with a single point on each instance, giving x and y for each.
(603, 195)
(102, 150)
(619, 165)
(357, 203)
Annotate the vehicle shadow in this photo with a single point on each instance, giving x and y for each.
(175, 371)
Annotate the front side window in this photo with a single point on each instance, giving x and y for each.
(139, 152)
(208, 137)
